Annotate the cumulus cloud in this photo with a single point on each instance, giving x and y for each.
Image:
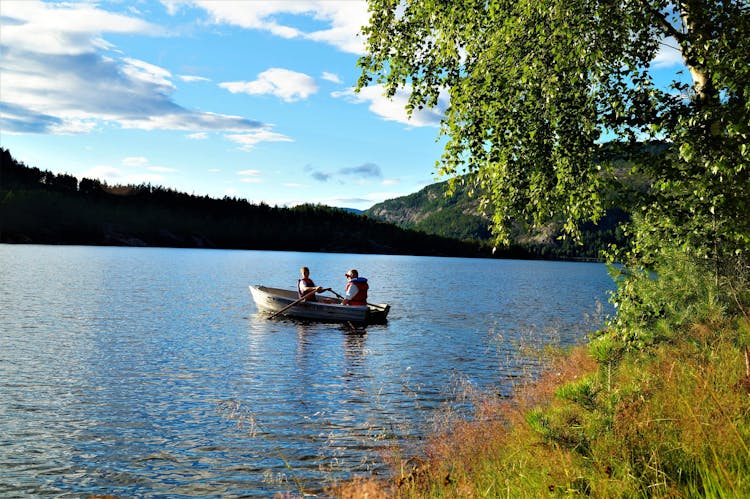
(60, 76)
(394, 108)
(285, 84)
(64, 29)
(342, 21)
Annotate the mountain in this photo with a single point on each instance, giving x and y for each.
(432, 211)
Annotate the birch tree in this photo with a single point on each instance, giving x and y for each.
(537, 87)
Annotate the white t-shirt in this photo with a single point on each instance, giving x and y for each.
(351, 292)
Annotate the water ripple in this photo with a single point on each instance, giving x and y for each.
(147, 372)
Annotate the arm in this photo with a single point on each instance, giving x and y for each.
(304, 289)
(350, 293)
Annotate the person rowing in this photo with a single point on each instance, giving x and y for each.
(306, 286)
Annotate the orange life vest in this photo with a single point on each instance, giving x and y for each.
(361, 297)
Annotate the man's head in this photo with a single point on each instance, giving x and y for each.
(352, 274)
(304, 271)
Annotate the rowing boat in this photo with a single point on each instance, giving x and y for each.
(323, 309)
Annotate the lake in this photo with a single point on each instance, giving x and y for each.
(148, 372)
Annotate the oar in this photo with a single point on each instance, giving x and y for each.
(293, 303)
(370, 304)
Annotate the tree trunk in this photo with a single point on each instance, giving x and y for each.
(690, 46)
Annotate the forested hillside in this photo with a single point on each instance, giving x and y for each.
(37, 206)
(433, 211)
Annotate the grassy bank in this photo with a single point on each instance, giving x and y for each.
(667, 415)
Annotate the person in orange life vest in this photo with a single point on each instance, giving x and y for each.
(306, 285)
(356, 289)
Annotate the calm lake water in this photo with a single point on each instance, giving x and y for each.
(148, 372)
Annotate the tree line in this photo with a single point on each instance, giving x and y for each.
(38, 206)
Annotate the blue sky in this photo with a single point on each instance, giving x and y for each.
(244, 98)
(249, 99)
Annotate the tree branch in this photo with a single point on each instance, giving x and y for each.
(661, 17)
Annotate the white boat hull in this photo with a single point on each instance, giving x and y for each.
(325, 309)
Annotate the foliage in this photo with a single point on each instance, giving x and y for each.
(536, 86)
(679, 289)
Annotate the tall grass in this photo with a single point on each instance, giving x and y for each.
(657, 405)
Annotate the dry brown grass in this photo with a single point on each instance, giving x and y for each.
(673, 421)
(461, 449)
(363, 488)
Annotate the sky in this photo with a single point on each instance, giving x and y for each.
(249, 99)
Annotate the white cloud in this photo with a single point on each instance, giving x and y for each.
(250, 176)
(394, 109)
(198, 136)
(148, 73)
(343, 19)
(248, 140)
(115, 176)
(249, 173)
(668, 55)
(91, 84)
(288, 85)
(189, 121)
(135, 161)
(192, 78)
(332, 77)
(64, 28)
(391, 181)
(72, 126)
(162, 169)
